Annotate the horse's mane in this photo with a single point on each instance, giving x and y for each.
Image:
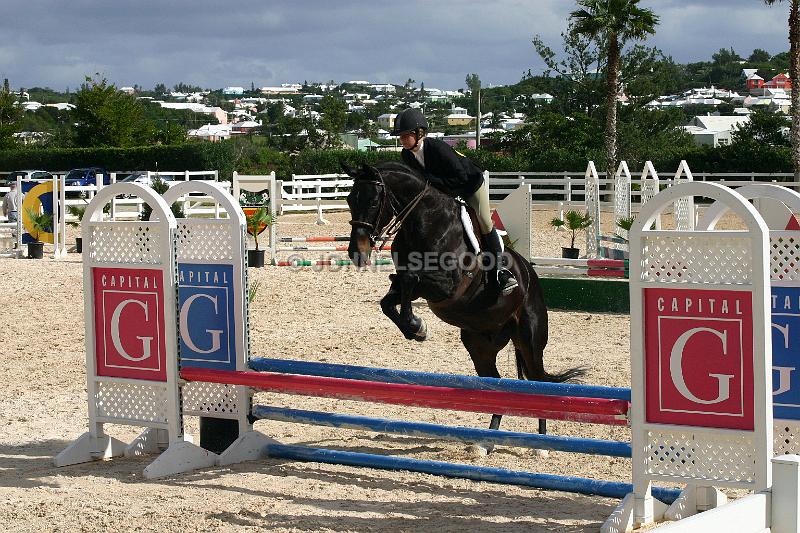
(400, 166)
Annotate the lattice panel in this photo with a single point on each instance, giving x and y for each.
(649, 189)
(622, 198)
(786, 437)
(200, 240)
(684, 214)
(132, 401)
(126, 243)
(592, 208)
(210, 399)
(697, 259)
(714, 458)
(784, 258)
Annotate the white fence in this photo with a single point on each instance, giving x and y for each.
(194, 204)
(560, 190)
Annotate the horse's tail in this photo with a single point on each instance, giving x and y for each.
(568, 375)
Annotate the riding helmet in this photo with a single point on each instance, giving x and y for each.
(409, 120)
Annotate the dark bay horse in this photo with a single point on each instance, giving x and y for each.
(434, 261)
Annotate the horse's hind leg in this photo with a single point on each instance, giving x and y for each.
(483, 349)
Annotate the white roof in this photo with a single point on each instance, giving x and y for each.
(754, 76)
(719, 123)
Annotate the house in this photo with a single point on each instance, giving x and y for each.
(711, 130)
(510, 124)
(127, 90)
(216, 112)
(233, 91)
(781, 81)
(211, 132)
(754, 81)
(386, 121)
(773, 99)
(747, 72)
(383, 87)
(291, 89)
(62, 106)
(541, 98)
(244, 127)
(459, 119)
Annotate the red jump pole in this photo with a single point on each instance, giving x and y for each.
(593, 410)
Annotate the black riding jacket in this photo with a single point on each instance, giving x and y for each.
(446, 170)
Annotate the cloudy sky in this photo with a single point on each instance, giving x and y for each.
(225, 42)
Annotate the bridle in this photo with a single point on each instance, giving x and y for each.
(394, 225)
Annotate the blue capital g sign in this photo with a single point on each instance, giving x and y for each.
(785, 355)
(206, 316)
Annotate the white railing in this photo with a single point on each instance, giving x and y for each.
(195, 204)
(312, 192)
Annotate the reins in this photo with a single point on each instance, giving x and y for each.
(397, 220)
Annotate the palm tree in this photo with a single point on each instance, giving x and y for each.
(615, 22)
(794, 70)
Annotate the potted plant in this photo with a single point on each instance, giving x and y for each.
(625, 225)
(77, 211)
(620, 238)
(258, 219)
(160, 186)
(574, 222)
(40, 223)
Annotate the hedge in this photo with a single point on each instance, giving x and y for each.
(190, 156)
(227, 156)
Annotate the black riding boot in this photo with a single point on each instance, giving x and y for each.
(502, 276)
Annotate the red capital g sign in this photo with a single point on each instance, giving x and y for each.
(699, 358)
(129, 323)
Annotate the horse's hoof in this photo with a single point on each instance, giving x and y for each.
(422, 332)
(478, 450)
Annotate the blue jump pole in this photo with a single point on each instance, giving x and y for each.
(608, 489)
(453, 433)
(386, 375)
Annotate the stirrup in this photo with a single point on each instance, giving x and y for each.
(506, 281)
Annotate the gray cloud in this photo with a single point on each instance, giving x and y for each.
(213, 44)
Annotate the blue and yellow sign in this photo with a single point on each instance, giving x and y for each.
(38, 199)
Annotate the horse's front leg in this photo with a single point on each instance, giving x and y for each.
(401, 294)
(412, 326)
(390, 302)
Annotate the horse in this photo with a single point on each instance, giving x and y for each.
(430, 252)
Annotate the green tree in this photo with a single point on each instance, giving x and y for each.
(794, 75)
(10, 117)
(615, 22)
(759, 56)
(725, 56)
(577, 69)
(473, 82)
(333, 120)
(105, 116)
(764, 127)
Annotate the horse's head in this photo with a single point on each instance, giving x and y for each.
(370, 211)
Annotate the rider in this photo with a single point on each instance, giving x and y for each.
(454, 175)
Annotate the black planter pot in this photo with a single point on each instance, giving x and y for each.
(79, 244)
(255, 258)
(35, 250)
(570, 253)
